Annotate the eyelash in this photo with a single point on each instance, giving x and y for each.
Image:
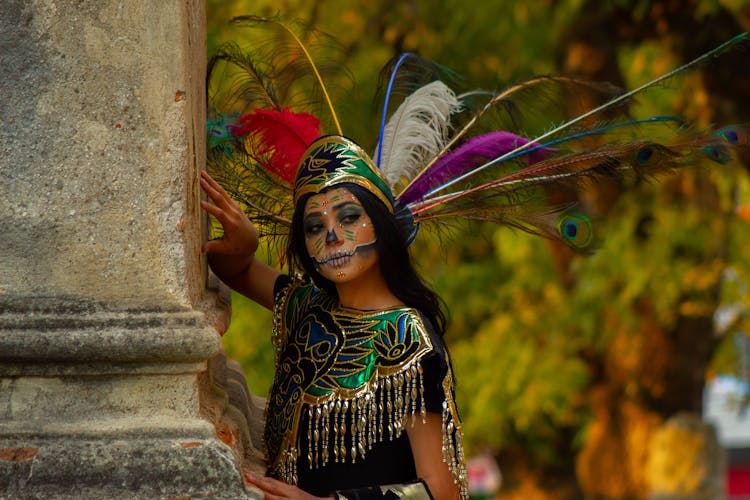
(350, 219)
(316, 228)
(313, 229)
(347, 220)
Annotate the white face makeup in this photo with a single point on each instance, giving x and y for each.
(339, 235)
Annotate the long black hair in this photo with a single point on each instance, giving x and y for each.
(393, 254)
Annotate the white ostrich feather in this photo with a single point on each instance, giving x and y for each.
(416, 132)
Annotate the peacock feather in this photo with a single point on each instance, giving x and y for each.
(447, 154)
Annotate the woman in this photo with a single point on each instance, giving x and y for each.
(362, 401)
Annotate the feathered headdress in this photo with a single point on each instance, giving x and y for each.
(440, 154)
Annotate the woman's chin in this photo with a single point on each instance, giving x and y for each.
(351, 269)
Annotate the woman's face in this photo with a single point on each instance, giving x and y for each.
(339, 235)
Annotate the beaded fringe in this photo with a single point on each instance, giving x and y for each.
(453, 450)
(343, 430)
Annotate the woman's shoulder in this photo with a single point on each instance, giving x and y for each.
(286, 282)
(423, 322)
(294, 287)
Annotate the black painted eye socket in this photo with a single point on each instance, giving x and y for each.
(313, 228)
(349, 214)
(350, 219)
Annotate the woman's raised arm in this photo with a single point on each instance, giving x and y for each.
(232, 256)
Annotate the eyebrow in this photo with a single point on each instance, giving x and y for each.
(337, 206)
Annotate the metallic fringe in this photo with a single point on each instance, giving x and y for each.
(350, 427)
(286, 469)
(453, 450)
(277, 336)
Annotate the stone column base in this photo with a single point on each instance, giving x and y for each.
(148, 468)
(97, 404)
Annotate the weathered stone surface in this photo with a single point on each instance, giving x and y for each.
(201, 468)
(237, 414)
(98, 152)
(122, 336)
(107, 325)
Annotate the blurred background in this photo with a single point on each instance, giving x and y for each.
(577, 376)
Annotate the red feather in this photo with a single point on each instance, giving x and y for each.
(277, 139)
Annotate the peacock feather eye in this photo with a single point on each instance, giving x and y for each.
(718, 153)
(645, 154)
(216, 128)
(570, 229)
(576, 230)
(732, 135)
(218, 133)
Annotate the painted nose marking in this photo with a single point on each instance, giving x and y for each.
(331, 236)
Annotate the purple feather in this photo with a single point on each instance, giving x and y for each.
(468, 155)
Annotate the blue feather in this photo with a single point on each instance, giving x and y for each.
(386, 102)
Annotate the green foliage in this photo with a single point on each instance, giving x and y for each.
(248, 341)
(518, 374)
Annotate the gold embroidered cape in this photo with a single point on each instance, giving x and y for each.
(355, 375)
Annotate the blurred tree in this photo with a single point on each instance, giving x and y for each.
(661, 297)
(558, 355)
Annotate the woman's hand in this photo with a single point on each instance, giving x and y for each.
(240, 236)
(231, 257)
(274, 489)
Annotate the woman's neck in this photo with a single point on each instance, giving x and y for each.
(369, 291)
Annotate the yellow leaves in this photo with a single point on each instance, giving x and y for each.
(611, 461)
(700, 284)
(703, 278)
(649, 60)
(695, 308)
(553, 294)
(700, 97)
(390, 35)
(522, 12)
(491, 63)
(524, 375)
(525, 315)
(248, 341)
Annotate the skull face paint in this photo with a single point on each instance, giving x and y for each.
(339, 235)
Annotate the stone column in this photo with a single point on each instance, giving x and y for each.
(106, 322)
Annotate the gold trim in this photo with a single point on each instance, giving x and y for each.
(340, 179)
